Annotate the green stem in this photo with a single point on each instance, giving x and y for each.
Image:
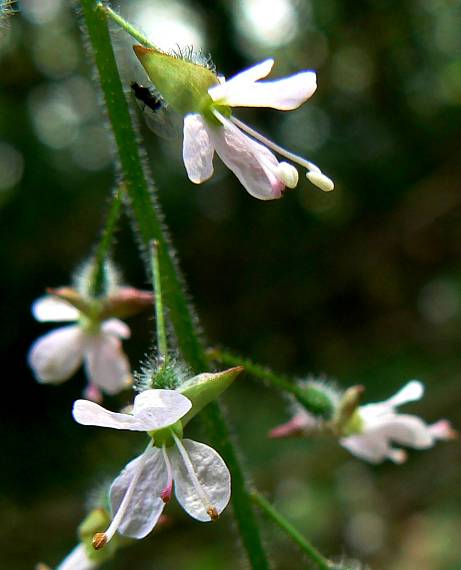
(159, 314)
(97, 279)
(311, 398)
(148, 220)
(291, 531)
(136, 34)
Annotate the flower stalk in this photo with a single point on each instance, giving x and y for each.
(311, 552)
(96, 285)
(149, 223)
(159, 312)
(311, 399)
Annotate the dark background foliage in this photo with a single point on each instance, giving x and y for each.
(362, 285)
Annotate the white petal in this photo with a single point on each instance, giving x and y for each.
(106, 364)
(212, 474)
(252, 163)
(116, 327)
(411, 392)
(367, 447)
(55, 356)
(243, 79)
(91, 414)
(285, 94)
(405, 430)
(146, 506)
(198, 149)
(50, 308)
(157, 409)
(77, 559)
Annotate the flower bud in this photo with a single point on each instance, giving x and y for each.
(206, 387)
(126, 302)
(183, 84)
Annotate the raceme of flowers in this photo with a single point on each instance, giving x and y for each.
(196, 473)
(56, 356)
(209, 125)
(374, 428)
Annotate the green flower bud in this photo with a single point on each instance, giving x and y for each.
(206, 387)
(183, 84)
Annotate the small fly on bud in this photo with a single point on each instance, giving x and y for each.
(158, 117)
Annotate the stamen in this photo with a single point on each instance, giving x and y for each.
(321, 181)
(275, 147)
(165, 493)
(100, 539)
(314, 174)
(209, 508)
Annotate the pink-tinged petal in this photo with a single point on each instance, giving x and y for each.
(284, 94)
(367, 447)
(198, 149)
(55, 356)
(212, 474)
(301, 424)
(245, 78)
(116, 327)
(106, 364)
(52, 309)
(93, 393)
(145, 507)
(443, 430)
(91, 414)
(157, 409)
(252, 163)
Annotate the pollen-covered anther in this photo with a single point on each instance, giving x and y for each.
(99, 540)
(212, 513)
(320, 180)
(288, 174)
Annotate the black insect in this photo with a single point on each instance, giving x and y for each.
(144, 95)
(159, 118)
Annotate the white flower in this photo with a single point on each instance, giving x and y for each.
(56, 356)
(257, 168)
(138, 495)
(382, 426)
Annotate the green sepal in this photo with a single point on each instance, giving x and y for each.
(206, 387)
(315, 399)
(347, 419)
(183, 84)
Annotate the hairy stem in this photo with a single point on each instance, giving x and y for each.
(159, 315)
(136, 34)
(102, 250)
(311, 398)
(312, 553)
(148, 219)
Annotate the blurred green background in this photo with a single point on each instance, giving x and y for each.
(362, 285)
